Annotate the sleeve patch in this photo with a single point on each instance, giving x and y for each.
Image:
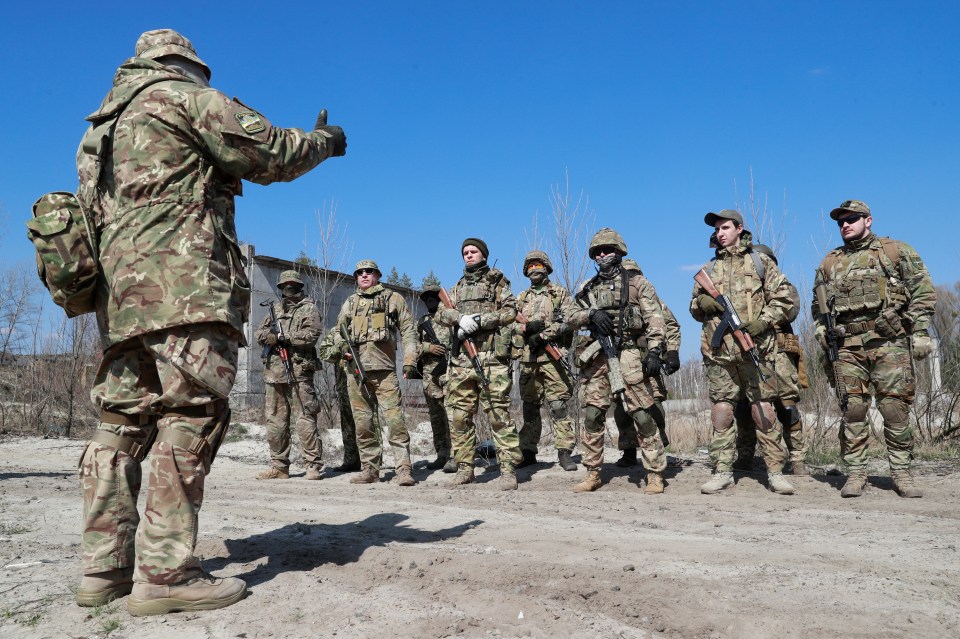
(251, 122)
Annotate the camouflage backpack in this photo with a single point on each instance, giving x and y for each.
(63, 235)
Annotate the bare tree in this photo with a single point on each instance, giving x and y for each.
(768, 228)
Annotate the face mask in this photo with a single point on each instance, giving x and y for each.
(291, 290)
(537, 276)
(432, 304)
(608, 262)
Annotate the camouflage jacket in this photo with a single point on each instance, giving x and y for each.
(330, 348)
(771, 299)
(302, 327)
(485, 292)
(671, 328)
(876, 281)
(641, 321)
(164, 200)
(429, 362)
(551, 304)
(372, 318)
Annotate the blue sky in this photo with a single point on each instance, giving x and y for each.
(462, 115)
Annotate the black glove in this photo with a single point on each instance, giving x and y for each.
(336, 138)
(671, 362)
(532, 328)
(602, 322)
(708, 305)
(651, 364)
(536, 341)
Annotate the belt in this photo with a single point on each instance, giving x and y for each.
(855, 328)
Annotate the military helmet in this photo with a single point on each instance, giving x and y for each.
(607, 237)
(429, 289)
(537, 256)
(851, 206)
(289, 277)
(362, 264)
(161, 42)
(631, 265)
(766, 250)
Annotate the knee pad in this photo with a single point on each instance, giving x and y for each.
(593, 419)
(895, 411)
(789, 414)
(721, 416)
(764, 416)
(646, 426)
(856, 411)
(558, 409)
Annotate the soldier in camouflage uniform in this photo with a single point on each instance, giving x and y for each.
(331, 350)
(883, 299)
(544, 306)
(484, 309)
(286, 401)
(789, 378)
(763, 299)
(621, 304)
(627, 435)
(434, 345)
(372, 317)
(159, 167)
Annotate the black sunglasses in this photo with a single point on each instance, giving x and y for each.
(366, 271)
(849, 219)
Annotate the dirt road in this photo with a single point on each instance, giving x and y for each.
(330, 559)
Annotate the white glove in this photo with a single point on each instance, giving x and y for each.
(469, 324)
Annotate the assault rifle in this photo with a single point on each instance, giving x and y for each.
(731, 321)
(282, 344)
(426, 328)
(468, 343)
(358, 371)
(605, 343)
(550, 349)
(828, 317)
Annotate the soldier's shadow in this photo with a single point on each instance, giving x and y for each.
(303, 547)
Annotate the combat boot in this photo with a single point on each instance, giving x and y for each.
(508, 479)
(438, 463)
(779, 484)
(348, 466)
(903, 484)
(101, 588)
(199, 591)
(464, 475)
(313, 472)
(654, 484)
(274, 473)
(718, 482)
(450, 466)
(855, 484)
(565, 460)
(404, 478)
(529, 458)
(367, 476)
(590, 483)
(628, 459)
(798, 468)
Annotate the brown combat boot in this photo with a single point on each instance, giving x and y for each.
(274, 473)
(590, 483)
(367, 476)
(200, 591)
(855, 483)
(464, 475)
(798, 468)
(779, 484)
(313, 472)
(101, 588)
(903, 484)
(404, 476)
(508, 479)
(654, 484)
(718, 482)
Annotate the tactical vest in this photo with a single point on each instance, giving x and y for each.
(613, 297)
(867, 287)
(370, 319)
(480, 296)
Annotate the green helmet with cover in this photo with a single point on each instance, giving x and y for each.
(537, 256)
(289, 277)
(607, 237)
(430, 289)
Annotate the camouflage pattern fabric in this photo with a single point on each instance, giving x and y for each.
(172, 298)
(329, 350)
(484, 291)
(879, 302)
(433, 384)
(643, 329)
(385, 389)
(628, 435)
(182, 367)
(285, 402)
(373, 317)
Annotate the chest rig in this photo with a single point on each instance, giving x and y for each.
(861, 283)
(612, 296)
(370, 319)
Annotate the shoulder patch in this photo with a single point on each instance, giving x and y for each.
(250, 122)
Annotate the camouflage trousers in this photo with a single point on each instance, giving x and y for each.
(464, 393)
(433, 395)
(171, 385)
(282, 408)
(628, 436)
(545, 382)
(383, 393)
(639, 402)
(791, 422)
(883, 367)
(348, 429)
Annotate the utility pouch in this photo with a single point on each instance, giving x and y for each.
(588, 354)
(889, 324)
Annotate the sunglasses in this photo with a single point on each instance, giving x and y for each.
(366, 271)
(850, 219)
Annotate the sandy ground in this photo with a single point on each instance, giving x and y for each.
(330, 559)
